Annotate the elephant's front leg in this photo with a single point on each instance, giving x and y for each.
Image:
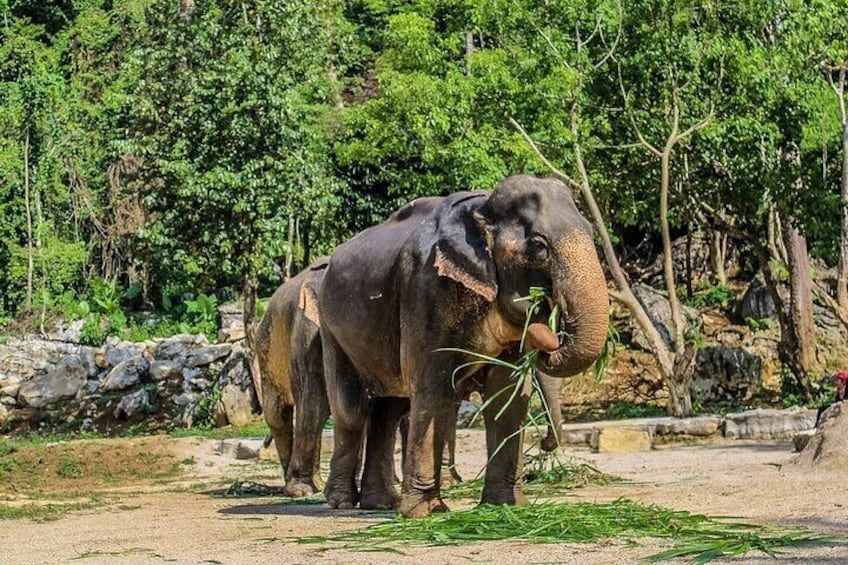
(504, 438)
(430, 416)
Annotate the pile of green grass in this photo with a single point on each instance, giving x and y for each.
(545, 475)
(689, 535)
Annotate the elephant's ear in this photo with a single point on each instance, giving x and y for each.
(308, 302)
(463, 250)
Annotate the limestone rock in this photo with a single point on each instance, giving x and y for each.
(700, 426)
(726, 374)
(180, 345)
(238, 405)
(756, 303)
(186, 398)
(658, 308)
(208, 354)
(768, 423)
(828, 447)
(238, 448)
(230, 335)
(126, 374)
(621, 439)
(132, 404)
(62, 382)
(10, 390)
(165, 369)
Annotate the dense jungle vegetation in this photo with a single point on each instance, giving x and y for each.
(162, 155)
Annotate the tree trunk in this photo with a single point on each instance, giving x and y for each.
(307, 245)
(27, 206)
(689, 275)
(798, 345)
(842, 276)
(290, 247)
(679, 402)
(717, 256)
(668, 265)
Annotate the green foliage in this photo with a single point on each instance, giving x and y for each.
(756, 325)
(625, 411)
(69, 467)
(707, 295)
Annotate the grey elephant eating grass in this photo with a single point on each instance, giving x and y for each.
(445, 273)
(292, 383)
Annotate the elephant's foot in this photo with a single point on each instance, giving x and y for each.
(418, 506)
(341, 498)
(299, 488)
(512, 496)
(379, 499)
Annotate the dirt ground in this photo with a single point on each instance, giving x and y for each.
(172, 517)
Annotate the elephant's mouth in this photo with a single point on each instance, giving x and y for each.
(551, 343)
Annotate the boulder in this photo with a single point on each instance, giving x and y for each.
(620, 439)
(165, 369)
(726, 374)
(178, 346)
(126, 374)
(658, 308)
(132, 404)
(117, 351)
(206, 355)
(828, 447)
(699, 426)
(237, 405)
(756, 303)
(61, 382)
(768, 423)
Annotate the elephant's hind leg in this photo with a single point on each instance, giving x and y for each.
(378, 491)
(279, 419)
(304, 478)
(348, 405)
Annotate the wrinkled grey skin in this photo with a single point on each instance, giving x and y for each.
(549, 388)
(290, 361)
(445, 273)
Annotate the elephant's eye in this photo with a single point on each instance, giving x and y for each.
(537, 248)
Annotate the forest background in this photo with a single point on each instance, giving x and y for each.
(165, 156)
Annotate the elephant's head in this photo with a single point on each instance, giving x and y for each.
(529, 233)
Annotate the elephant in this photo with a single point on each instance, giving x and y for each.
(403, 302)
(289, 354)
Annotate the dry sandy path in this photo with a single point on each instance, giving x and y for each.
(178, 523)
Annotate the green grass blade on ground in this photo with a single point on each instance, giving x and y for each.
(698, 537)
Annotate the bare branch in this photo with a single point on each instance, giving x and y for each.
(556, 172)
(629, 113)
(612, 49)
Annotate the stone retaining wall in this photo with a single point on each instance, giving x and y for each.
(178, 381)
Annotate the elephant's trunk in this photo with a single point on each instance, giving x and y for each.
(580, 291)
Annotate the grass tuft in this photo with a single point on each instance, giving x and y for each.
(694, 536)
(544, 475)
